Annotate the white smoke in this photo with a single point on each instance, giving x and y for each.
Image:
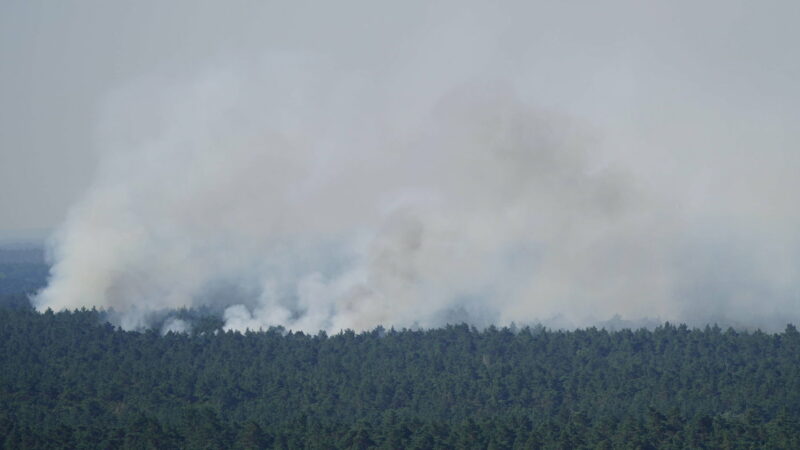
(295, 192)
(327, 218)
(175, 325)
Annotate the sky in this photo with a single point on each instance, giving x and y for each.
(692, 105)
(698, 83)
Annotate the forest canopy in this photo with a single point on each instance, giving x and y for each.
(71, 379)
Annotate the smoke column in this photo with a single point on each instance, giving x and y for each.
(287, 190)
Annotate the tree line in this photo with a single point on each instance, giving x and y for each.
(72, 380)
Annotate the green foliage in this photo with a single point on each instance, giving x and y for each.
(70, 380)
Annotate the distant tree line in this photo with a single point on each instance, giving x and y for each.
(22, 272)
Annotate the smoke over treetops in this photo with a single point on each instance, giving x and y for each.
(289, 191)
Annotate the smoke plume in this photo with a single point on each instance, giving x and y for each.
(290, 191)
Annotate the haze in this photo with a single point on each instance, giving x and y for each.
(328, 166)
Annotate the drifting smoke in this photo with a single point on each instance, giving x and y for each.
(289, 192)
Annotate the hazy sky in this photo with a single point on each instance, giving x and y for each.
(702, 91)
(698, 80)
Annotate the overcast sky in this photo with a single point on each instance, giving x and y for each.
(701, 92)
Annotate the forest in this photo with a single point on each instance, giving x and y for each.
(70, 379)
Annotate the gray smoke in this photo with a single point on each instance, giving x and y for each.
(285, 189)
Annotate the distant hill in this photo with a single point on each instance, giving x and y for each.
(22, 253)
(23, 270)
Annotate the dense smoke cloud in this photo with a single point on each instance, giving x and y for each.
(286, 190)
